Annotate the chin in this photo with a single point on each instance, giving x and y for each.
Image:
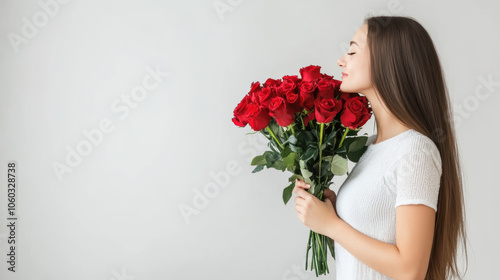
(346, 88)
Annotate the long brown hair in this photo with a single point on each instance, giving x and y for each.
(408, 76)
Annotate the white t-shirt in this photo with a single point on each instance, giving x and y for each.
(404, 169)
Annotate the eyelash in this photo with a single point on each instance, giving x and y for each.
(350, 53)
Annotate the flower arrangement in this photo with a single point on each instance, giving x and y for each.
(312, 129)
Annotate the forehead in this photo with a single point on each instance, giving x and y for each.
(360, 36)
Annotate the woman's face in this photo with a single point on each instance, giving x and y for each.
(356, 64)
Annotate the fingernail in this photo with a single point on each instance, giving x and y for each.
(307, 185)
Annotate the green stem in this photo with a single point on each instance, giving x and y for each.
(301, 121)
(293, 130)
(274, 136)
(268, 138)
(315, 254)
(325, 249)
(321, 254)
(320, 143)
(308, 247)
(343, 136)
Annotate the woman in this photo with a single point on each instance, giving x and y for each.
(399, 213)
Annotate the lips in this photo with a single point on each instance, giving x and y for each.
(344, 75)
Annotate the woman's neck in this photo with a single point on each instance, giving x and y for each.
(387, 124)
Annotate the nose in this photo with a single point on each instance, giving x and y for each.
(340, 63)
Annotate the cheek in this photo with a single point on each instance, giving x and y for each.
(362, 72)
(365, 68)
(358, 79)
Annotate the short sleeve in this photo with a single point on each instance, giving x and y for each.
(418, 175)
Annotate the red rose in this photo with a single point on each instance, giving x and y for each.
(307, 94)
(327, 77)
(255, 87)
(272, 82)
(310, 73)
(293, 102)
(326, 109)
(286, 86)
(307, 87)
(265, 96)
(356, 112)
(254, 92)
(294, 78)
(241, 112)
(307, 101)
(278, 110)
(258, 117)
(336, 84)
(325, 88)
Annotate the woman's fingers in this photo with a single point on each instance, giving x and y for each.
(301, 184)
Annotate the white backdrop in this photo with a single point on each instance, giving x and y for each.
(118, 115)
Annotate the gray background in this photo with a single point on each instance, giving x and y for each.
(65, 68)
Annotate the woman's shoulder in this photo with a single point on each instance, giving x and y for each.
(420, 144)
(418, 141)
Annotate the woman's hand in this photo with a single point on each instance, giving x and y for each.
(317, 215)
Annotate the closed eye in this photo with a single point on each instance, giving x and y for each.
(350, 53)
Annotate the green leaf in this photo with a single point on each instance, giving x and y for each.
(315, 134)
(356, 155)
(271, 146)
(286, 151)
(310, 153)
(258, 168)
(287, 192)
(259, 160)
(358, 143)
(305, 136)
(290, 159)
(325, 167)
(295, 176)
(274, 126)
(342, 149)
(329, 139)
(280, 165)
(306, 174)
(323, 146)
(328, 158)
(339, 165)
(353, 132)
(292, 140)
(296, 149)
(271, 157)
(347, 141)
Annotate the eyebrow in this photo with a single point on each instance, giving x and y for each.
(352, 42)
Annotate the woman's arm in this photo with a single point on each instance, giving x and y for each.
(408, 259)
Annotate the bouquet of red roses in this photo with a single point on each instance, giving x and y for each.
(312, 129)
